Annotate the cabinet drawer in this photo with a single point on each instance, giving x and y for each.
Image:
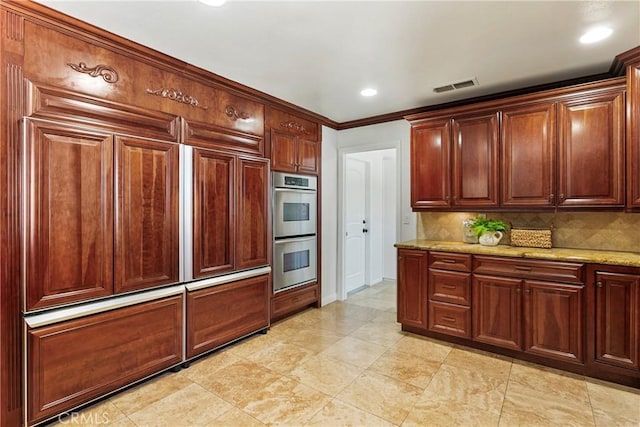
(450, 319)
(530, 269)
(73, 362)
(450, 286)
(220, 314)
(290, 301)
(450, 261)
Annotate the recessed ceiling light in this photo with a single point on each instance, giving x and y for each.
(595, 35)
(368, 92)
(213, 2)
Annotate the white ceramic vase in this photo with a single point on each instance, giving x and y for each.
(490, 238)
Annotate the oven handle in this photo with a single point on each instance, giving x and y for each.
(294, 190)
(295, 239)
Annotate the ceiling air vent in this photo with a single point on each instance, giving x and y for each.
(457, 85)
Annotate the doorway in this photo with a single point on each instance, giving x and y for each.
(368, 218)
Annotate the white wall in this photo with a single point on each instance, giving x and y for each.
(389, 190)
(380, 136)
(329, 187)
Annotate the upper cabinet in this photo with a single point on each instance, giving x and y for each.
(528, 155)
(456, 162)
(633, 131)
(226, 198)
(556, 149)
(102, 213)
(591, 150)
(294, 143)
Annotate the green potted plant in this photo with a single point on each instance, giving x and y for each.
(489, 231)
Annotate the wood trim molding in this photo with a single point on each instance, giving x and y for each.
(50, 18)
(401, 115)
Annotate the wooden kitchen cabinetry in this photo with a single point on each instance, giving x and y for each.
(290, 301)
(535, 306)
(449, 287)
(591, 150)
(230, 210)
(497, 311)
(562, 148)
(617, 317)
(72, 362)
(294, 143)
(528, 155)
(455, 162)
(221, 314)
(412, 289)
(146, 213)
(74, 174)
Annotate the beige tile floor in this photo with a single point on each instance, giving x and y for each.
(348, 364)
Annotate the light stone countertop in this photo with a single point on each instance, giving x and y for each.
(628, 259)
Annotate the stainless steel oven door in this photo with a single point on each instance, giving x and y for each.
(294, 262)
(294, 212)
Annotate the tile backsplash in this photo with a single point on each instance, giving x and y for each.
(583, 230)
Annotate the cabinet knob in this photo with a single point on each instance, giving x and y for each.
(561, 196)
(517, 290)
(528, 291)
(599, 284)
(551, 197)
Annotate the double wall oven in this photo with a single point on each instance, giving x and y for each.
(294, 230)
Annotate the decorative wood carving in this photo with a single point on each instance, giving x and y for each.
(177, 96)
(14, 26)
(107, 73)
(234, 114)
(295, 126)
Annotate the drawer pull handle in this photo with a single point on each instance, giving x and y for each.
(449, 319)
(448, 286)
(522, 268)
(599, 284)
(449, 261)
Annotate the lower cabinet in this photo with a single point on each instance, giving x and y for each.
(497, 311)
(617, 318)
(553, 320)
(412, 294)
(73, 362)
(583, 318)
(221, 314)
(289, 301)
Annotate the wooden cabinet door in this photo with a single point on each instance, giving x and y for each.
(308, 155)
(633, 136)
(553, 320)
(430, 164)
(497, 313)
(146, 213)
(213, 212)
(69, 215)
(412, 288)
(528, 156)
(73, 362)
(283, 152)
(617, 319)
(252, 213)
(591, 151)
(475, 161)
(218, 315)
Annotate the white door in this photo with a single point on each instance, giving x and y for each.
(355, 215)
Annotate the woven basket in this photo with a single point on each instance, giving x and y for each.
(531, 238)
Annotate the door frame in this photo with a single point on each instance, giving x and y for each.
(367, 217)
(341, 292)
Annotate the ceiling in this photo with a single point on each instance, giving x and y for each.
(320, 54)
